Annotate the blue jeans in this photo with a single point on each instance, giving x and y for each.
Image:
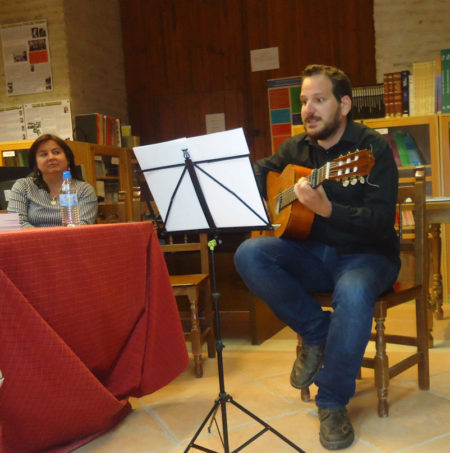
(282, 273)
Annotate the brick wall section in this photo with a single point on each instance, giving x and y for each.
(85, 50)
(94, 42)
(408, 31)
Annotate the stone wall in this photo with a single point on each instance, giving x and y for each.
(87, 57)
(85, 50)
(409, 31)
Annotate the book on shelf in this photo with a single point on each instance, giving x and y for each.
(388, 91)
(396, 93)
(445, 80)
(389, 137)
(15, 158)
(397, 98)
(98, 128)
(411, 148)
(412, 99)
(405, 92)
(438, 88)
(368, 102)
(407, 219)
(402, 150)
(424, 87)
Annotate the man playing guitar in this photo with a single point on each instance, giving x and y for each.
(351, 248)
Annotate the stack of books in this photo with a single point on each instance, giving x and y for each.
(9, 222)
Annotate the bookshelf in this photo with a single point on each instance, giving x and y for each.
(424, 132)
(104, 167)
(14, 154)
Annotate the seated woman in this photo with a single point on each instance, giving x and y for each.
(36, 198)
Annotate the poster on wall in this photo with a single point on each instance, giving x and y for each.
(12, 124)
(48, 118)
(26, 58)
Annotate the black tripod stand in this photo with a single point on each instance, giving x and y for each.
(224, 397)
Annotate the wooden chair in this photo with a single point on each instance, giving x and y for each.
(414, 244)
(197, 317)
(139, 206)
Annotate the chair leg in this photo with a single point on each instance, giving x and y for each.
(423, 368)
(195, 334)
(381, 368)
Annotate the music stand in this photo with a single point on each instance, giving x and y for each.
(207, 183)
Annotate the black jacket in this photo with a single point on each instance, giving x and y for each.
(363, 215)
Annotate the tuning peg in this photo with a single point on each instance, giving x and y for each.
(345, 182)
(362, 180)
(353, 181)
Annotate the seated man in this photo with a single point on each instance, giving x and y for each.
(352, 249)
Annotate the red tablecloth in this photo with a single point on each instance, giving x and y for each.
(87, 319)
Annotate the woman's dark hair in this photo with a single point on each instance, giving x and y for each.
(341, 84)
(36, 174)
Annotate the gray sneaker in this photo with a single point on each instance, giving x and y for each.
(307, 365)
(336, 431)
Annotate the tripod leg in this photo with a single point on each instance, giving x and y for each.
(266, 426)
(211, 413)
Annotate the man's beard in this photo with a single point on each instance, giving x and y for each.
(328, 130)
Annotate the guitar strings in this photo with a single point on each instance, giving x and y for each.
(288, 196)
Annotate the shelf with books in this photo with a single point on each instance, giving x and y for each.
(14, 154)
(414, 141)
(106, 170)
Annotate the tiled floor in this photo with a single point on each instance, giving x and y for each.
(257, 377)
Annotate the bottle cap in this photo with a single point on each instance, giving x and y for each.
(67, 175)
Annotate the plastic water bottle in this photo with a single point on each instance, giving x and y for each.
(68, 201)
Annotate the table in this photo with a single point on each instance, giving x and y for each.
(87, 319)
(438, 212)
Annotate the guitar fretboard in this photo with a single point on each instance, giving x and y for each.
(317, 177)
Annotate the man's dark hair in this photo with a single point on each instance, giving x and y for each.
(341, 84)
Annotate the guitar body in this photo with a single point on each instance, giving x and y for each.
(295, 220)
(288, 216)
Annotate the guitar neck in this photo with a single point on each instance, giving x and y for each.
(316, 178)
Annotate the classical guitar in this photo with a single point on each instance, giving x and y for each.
(293, 220)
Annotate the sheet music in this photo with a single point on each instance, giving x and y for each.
(232, 196)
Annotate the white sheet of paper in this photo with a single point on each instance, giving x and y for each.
(233, 173)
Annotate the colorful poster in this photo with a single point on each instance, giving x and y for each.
(284, 108)
(26, 58)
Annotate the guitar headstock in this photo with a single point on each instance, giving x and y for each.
(352, 167)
